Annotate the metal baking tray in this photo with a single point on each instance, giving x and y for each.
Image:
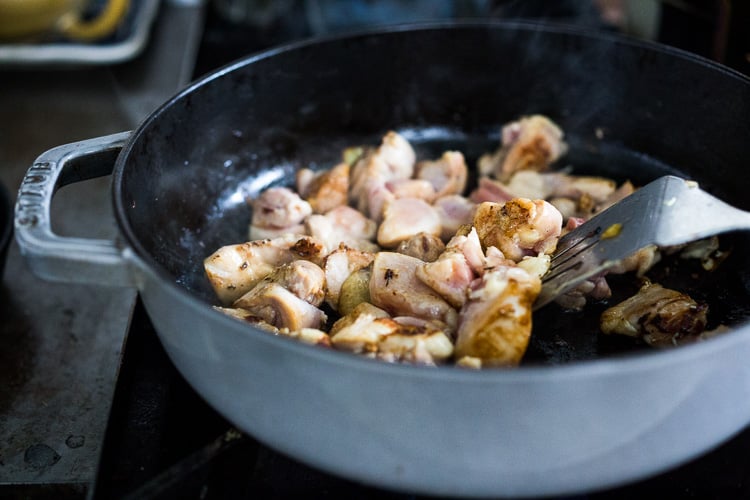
(127, 42)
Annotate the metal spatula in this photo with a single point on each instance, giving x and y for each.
(668, 211)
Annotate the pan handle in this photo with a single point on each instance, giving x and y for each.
(69, 259)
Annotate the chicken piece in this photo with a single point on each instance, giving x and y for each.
(447, 175)
(519, 227)
(405, 217)
(312, 336)
(247, 317)
(279, 208)
(490, 190)
(303, 278)
(343, 225)
(495, 323)
(411, 188)
(324, 190)
(471, 248)
(338, 266)
(269, 233)
(450, 276)
(280, 307)
(395, 288)
(233, 270)
(370, 331)
(660, 316)
(531, 143)
(392, 160)
(423, 246)
(454, 211)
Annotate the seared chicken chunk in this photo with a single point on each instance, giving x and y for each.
(531, 143)
(303, 278)
(495, 323)
(519, 227)
(370, 331)
(338, 266)
(280, 307)
(660, 316)
(324, 190)
(343, 225)
(447, 175)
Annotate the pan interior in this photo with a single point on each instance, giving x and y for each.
(182, 185)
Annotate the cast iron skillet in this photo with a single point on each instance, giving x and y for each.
(628, 112)
(602, 415)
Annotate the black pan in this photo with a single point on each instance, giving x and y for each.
(583, 412)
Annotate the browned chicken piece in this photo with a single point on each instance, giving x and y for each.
(395, 288)
(495, 323)
(660, 316)
(450, 276)
(345, 225)
(303, 278)
(519, 227)
(531, 143)
(277, 209)
(233, 270)
(405, 217)
(311, 336)
(280, 307)
(338, 266)
(454, 211)
(423, 246)
(324, 190)
(369, 331)
(398, 154)
(447, 175)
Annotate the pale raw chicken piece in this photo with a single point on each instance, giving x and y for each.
(454, 211)
(279, 208)
(345, 225)
(490, 190)
(405, 217)
(411, 188)
(471, 248)
(450, 276)
(303, 278)
(232, 270)
(531, 143)
(395, 288)
(495, 323)
(392, 160)
(660, 316)
(447, 175)
(281, 308)
(519, 227)
(324, 190)
(338, 266)
(423, 246)
(268, 233)
(530, 184)
(369, 331)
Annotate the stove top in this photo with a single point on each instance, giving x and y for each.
(163, 441)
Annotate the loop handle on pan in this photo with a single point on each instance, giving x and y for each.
(69, 259)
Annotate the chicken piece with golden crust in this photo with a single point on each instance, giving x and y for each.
(519, 227)
(338, 266)
(531, 143)
(280, 307)
(233, 270)
(324, 190)
(495, 323)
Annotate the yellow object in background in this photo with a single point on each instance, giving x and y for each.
(24, 19)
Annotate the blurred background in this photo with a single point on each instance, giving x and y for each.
(89, 404)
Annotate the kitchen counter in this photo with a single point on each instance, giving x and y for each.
(61, 344)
